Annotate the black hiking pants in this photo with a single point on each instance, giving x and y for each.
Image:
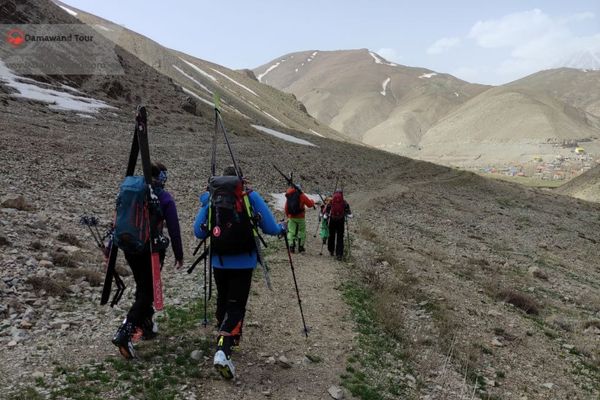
(335, 242)
(233, 288)
(141, 267)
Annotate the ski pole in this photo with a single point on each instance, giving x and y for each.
(348, 236)
(287, 245)
(90, 221)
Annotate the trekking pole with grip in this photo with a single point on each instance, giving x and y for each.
(287, 245)
(348, 238)
(318, 225)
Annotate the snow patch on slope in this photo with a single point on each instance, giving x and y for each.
(271, 68)
(73, 13)
(379, 60)
(316, 133)
(200, 71)
(182, 72)
(188, 91)
(273, 118)
(384, 85)
(236, 82)
(56, 100)
(102, 27)
(283, 136)
(427, 76)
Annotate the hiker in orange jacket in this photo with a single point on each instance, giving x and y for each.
(295, 205)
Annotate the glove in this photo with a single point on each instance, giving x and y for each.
(283, 226)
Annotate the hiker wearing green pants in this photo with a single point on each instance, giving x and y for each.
(295, 205)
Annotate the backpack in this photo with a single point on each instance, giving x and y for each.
(134, 215)
(229, 222)
(338, 206)
(293, 202)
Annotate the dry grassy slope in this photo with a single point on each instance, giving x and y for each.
(424, 118)
(343, 89)
(286, 111)
(504, 124)
(456, 253)
(579, 88)
(586, 186)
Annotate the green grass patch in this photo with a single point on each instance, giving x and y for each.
(163, 365)
(375, 368)
(27, 393)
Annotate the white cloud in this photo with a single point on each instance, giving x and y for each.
(443, 45)
(535, 40)
(513, 29)
(389, 54)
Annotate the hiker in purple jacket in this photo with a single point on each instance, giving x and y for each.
(139, 323)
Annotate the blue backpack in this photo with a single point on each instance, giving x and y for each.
(132, 221)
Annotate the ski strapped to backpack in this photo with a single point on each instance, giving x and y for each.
(232, 224)
(113, 250)
(138, 215)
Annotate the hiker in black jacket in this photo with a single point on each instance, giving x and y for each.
(336, 213)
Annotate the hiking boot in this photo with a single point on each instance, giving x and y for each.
(293, 248)
(331, 253)
(339, 258)
(301, 249)
(149, 329)
(224, 365)
(123, 340)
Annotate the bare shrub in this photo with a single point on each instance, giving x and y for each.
(592, 323)
(69, 238)
(52, 286)
(94, 278)
(64, 259)
(540, 274)
(519, 300)
(589, 299)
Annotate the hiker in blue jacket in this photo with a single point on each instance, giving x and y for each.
(232, 269)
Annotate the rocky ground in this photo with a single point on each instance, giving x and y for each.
(457, 287)
(483, 287)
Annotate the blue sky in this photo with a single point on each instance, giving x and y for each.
(490, 42)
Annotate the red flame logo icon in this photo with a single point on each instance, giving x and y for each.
(15, 37)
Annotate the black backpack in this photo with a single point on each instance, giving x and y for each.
(229, 221)
(293, 202)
